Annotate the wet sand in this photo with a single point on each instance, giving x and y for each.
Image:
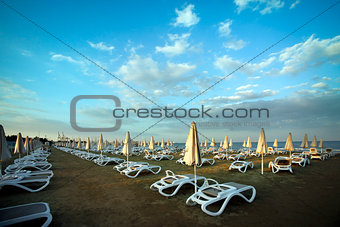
(84, 194)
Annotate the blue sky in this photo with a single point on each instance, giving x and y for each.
(170, 51)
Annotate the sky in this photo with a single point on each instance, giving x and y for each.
(187, 54)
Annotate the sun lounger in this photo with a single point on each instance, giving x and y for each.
(134, 170)
(206, 161)
(301, 161)
(180, 161)
(174, 181)
(28, 183)
(214, 193)
(103, 161)
(329, 152)
(236, 157)
(241, 166)
(26, 212)
(221, 156)
(124, 165)
(314, 154)
(41, 166)
(281, 163)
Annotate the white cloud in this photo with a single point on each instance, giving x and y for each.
(101, 46)
(229, 64)
(179, 46)
(321, 85)
(235, 45)
(254, 77)
(264, 6)
(10, 90)
(312, 52)
(224, 27)
(26, 53)
(148, 72)
(60, 57)
(246, 86)
(292, 6)
(241, 96)
(298, 85)
(186, 17)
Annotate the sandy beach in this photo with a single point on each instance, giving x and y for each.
(84, 194)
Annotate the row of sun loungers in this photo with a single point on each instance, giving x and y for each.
(31, 173)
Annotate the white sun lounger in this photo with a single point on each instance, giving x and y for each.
(213, 193)
(171, 180)
(180, 161)
(26, 212)
(241, 166)
(280, 163)
(124, 165)
(236, 157)
(301, 161)
(221, 156)
(28, 183)
(41, 166)
(206, 161)
(133, 171)
(103, 161)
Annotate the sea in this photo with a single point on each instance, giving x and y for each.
(335, 145)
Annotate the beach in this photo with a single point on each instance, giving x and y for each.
(82, 193)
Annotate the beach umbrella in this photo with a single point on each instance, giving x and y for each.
(27, 145)
(162, 144)
(231, 144)
(201, 143)
(127, 149)
(5, 154)
(31, 144)
(221, 143)
(304, 143)
(275, 144)
(79, 144)
(289, 144)
(100, 144)
(192, 154)
(205, 143)
(248, 144)
(172, 143)
(19, 145)
(244, 143)
(88, 144)
(212, 144)
(168, 143)
(321, 144)
(152, 144)
(314, 142)
(115, 143)
(226, 144)
(262, 146)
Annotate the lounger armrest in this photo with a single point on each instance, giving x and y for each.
(169, 173)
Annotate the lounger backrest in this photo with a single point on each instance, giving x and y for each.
(328, 149)
(270, 148)
(146, 152)
(312, 150)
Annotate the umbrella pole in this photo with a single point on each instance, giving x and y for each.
(262, 165)
(0, 170)
(195, 179)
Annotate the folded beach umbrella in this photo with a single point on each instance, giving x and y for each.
(5, 154)
(244, 143)
(201, 143)
(127, 149)
(100, 144)
(19, 145)
(262, 146)
(172, 143)
(212, 144)
(226, 144)
(231, 143)
(304, 143)
(221, 143)
(162, 144)
(79, 144)
(27, 145)
(205, 143)
(321, 144)
(289, 144)
(314, 142)
(248, 144)
(31, 144)
(115, 143)
(192, 154)
(275, 144)
(168, 143)
(152, 144)
(88, 144)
